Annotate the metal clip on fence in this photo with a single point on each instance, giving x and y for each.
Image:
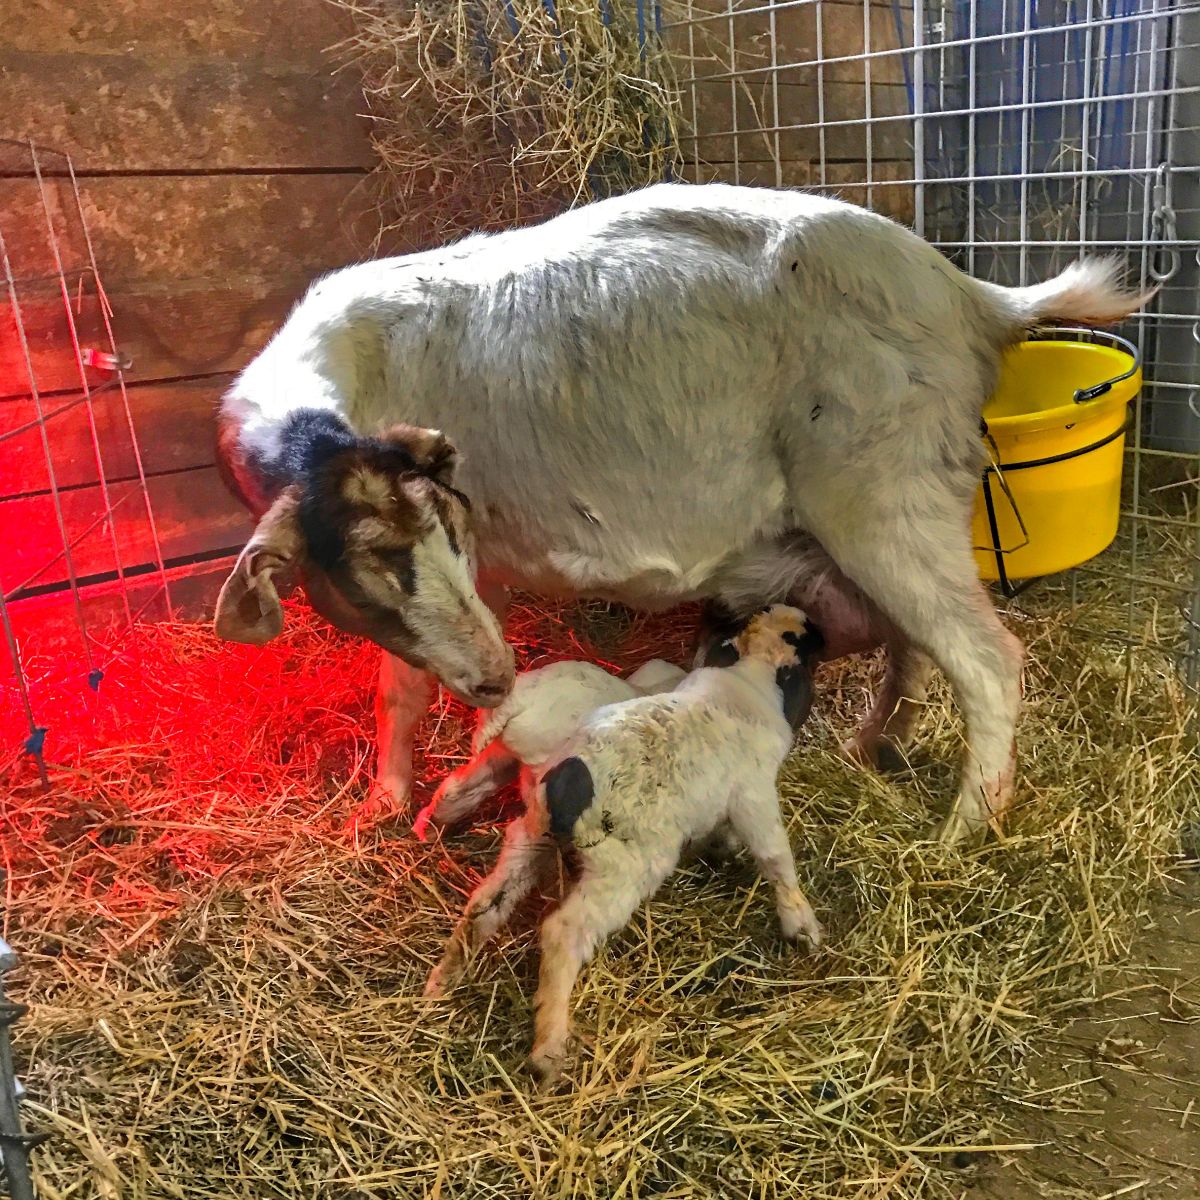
(102, 360)
(14, 1144)
(1162, 226)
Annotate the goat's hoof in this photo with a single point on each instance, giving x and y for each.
(546, 1066)
(435, 987)
(879, 753)
(421, 825)
(960, 830)
(385, 801)
(803, 928)
(857, 753)
(444, 978)
(891, 758)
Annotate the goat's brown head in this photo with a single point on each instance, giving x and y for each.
(383, 542)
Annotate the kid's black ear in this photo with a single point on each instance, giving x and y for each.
(797, 687)
(721, 654)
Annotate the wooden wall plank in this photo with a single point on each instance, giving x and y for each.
(842, 37)
(199, 271)
(173, 424)
(241, 97)
(47, 625)
(193, 227)
(135, 113)
(199, 328)
(193, 512)
(278, 31)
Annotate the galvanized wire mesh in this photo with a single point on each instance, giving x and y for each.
(1015, 136)
(76, 517)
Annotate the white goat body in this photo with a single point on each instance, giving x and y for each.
(544, 710)
(742, 393)
(640, 782)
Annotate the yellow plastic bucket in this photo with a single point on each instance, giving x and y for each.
(1056, 425)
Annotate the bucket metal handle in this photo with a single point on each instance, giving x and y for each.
(1083, 395)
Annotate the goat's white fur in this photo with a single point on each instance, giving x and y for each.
(690, 375)
(545, 708)
(668, 772)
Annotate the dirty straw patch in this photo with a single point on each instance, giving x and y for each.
(225, 983)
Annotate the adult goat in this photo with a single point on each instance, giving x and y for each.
(735, 394)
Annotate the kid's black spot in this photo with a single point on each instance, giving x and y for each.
(569, 794)
(606, 822)
(807, 645)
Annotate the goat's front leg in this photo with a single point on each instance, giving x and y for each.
(466, 788)
(756, 820)
(404, 696)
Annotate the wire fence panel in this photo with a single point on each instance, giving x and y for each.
(76, 517)
(1016, 136)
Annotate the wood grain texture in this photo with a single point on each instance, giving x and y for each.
(173, 425)
(199, 270)
(795, 34)
(199, 328)
(50, 623)
(192, 227)
(137, 113)
(193, 512)
(298, 32)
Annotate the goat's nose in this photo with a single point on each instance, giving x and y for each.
(492, 691)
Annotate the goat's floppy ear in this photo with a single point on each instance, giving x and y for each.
(248, 608)
(431, 450)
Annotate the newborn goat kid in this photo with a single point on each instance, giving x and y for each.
(545, 708)
(639, 783)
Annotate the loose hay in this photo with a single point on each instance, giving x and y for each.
(225, 983)
(487, 115)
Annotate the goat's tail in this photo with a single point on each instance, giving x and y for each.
(1089, 292)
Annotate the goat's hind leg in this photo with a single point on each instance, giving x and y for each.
(523, 861)
(598, 905)
(886, 733)
(922, 574)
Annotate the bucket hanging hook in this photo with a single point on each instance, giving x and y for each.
(1162, 227)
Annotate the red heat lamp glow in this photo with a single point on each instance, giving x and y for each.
(186, 732)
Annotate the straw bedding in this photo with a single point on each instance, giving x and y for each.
(225, 980)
